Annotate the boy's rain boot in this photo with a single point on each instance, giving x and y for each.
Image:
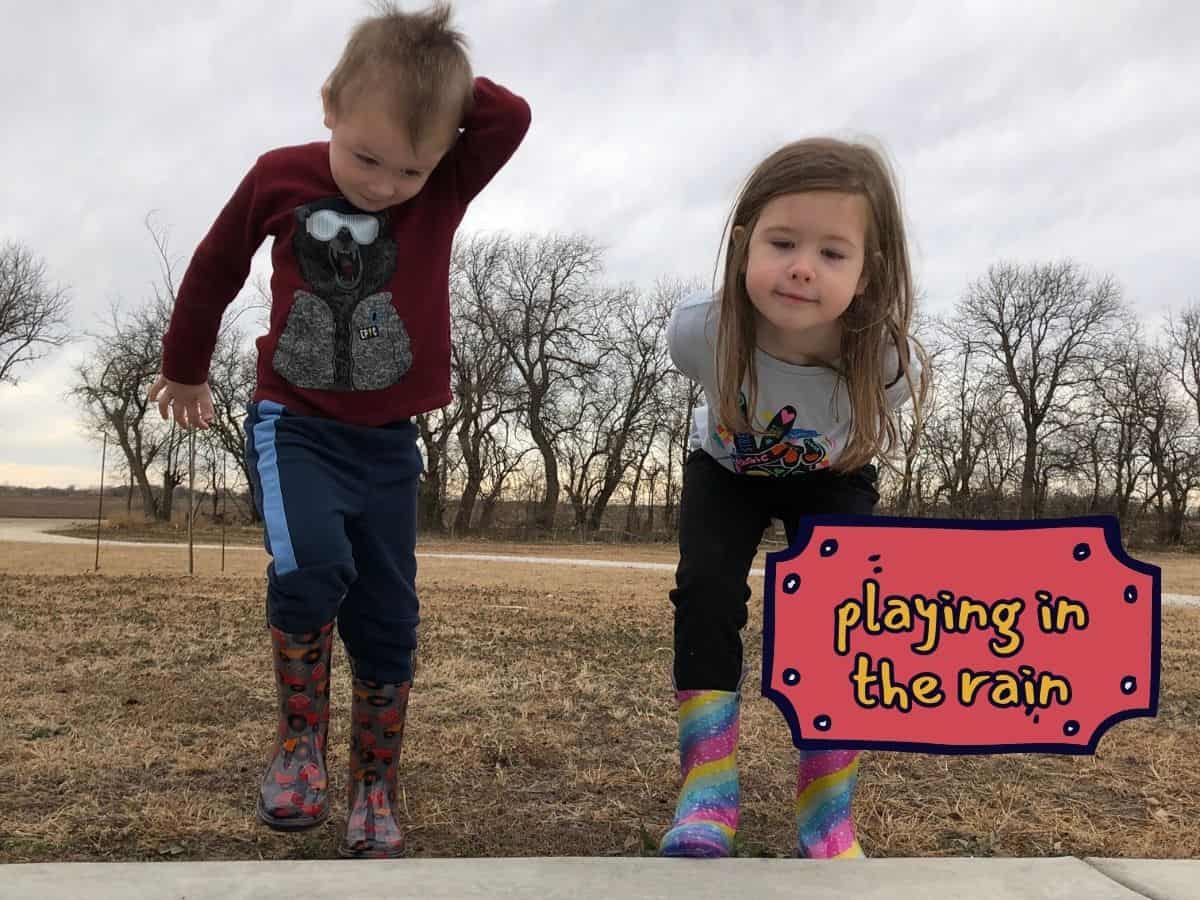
(706, 816)
(824, 805)
(377, 731)
(294, 794)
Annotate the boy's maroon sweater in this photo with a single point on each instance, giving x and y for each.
(410, 359)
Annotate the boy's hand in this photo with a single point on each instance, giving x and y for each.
(191, 403)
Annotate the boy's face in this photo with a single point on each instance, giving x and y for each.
(373, 160)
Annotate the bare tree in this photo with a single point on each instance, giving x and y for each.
(1172, 446)
(680, 398)
(911, 440)
(621, 402)
(173, 469)
(1183, 350)
(436, 428)
(584, 445)
(1061, 459)
(547, 321)
(500, 461)
(232, 378)
(484, 382)
(33, 315)
(1097, 449)
(211, 456)
(1117, 444)
(645, 469)
(635, 358)
(1039, 324)
(912, 422)
(999, 470)
(963, 422)
(111, 385)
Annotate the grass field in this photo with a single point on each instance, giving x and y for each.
(138, 714)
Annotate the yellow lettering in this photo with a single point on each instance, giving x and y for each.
(1068, 607)
(968, 683)
(1026, 688)
(927, 690)
(1053, 683)
(890, 693)
(1004, 619)
(898, 616)
(862, 678)
(928, 611)
(847, 616)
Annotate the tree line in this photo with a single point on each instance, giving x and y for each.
(1051, 397)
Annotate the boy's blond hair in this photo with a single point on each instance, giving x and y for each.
(416, 58)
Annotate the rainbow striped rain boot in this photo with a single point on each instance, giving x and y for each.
(824, 805)
(706, 816)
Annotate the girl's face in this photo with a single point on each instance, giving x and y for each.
(804, 265)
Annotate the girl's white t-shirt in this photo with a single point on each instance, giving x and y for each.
(804, 410)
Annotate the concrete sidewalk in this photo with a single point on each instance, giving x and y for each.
(1060, 878)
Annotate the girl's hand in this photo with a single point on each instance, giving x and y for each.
(191, 403)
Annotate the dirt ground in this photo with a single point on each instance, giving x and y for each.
(138, 713)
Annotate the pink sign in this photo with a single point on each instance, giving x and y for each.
(948, 636)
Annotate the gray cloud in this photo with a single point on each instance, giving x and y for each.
(1023, 131)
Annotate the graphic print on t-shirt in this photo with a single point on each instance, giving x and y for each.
(345, 335)
(783, 450)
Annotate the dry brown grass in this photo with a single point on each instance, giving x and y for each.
(138, 703)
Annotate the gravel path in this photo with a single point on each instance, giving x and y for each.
(34, 531)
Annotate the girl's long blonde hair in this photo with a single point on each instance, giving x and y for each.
(878, 317)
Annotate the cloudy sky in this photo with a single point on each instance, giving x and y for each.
(1025, 132)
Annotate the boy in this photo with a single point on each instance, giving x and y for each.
(359, 342)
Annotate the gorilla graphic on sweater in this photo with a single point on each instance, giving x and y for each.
(345, 335)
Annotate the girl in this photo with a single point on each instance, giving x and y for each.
(804, 355)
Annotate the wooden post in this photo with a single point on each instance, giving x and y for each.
(100, 506)
(224, 503)
(191, 497)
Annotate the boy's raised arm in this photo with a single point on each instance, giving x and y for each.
(214, 276)
(492, 131)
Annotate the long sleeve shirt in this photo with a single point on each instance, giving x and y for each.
(360, 312)
(803, 411)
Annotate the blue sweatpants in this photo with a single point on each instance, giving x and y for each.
(339, 507)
